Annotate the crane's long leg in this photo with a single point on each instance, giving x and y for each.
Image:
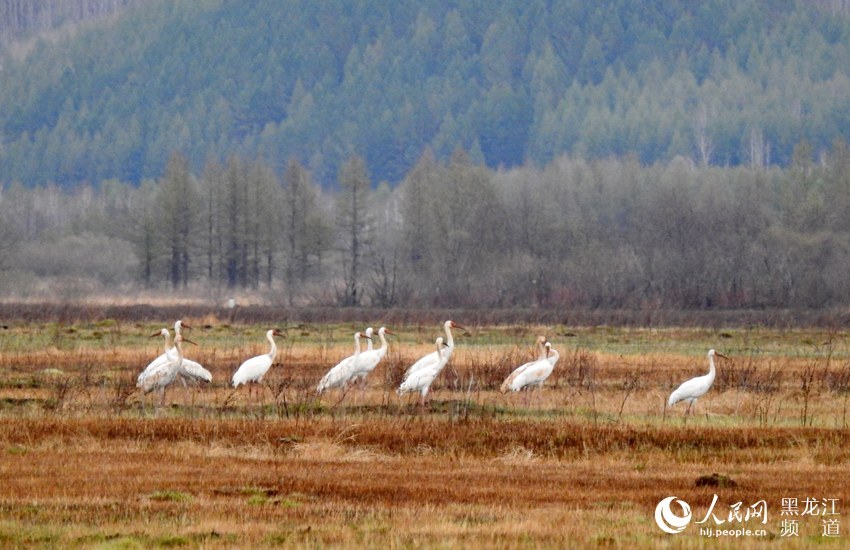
(425, 395)
(193, 386)
(195, 392)
(257, 395)
(362, 383)
(352, 387)
(358, 391)
(343, 392)
(687, 413)
(184, 384)
(341, 397)
(161, 397)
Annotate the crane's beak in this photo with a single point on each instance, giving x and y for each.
(717, 353)
(155, 334)
(189, 341)
(277, 332)
(455, 325)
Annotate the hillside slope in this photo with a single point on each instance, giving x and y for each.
(516, 81)
(23, 19)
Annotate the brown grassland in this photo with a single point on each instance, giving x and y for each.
(86, 461)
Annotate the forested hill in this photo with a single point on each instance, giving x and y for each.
(22, 19)
(515, 81)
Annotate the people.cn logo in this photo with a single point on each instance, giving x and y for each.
(667, 520)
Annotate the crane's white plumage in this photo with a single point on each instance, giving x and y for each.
(432, 358)
(695, 388)
(192, 370)
(532, 374)
(255, 368)
(189, 370)
(421, 379)
(341, 375)
(163, 357)
(370, 358)
(540, 345)
(553, 354)
(165, 373)
(156, 363)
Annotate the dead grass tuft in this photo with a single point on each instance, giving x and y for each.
(581, 462)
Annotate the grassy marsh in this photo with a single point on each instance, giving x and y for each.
(584, 461)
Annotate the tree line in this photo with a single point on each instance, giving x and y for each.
(574, 233)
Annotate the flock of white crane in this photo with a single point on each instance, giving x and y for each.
(172, 365)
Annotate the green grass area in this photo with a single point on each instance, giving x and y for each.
(758, 341)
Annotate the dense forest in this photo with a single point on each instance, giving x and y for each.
(23, 19)
(515, 82)
(574, 233)
(549, 154)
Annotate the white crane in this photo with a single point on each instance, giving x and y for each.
(160, 360)
(163, 357)
(189, 370)
(165, 373)
(421, 379)
(531, 375)
(540, 346)
(695, 388)
(553, 354)
(340, 376)
(370, 358)
(253, 369)
(432, 358)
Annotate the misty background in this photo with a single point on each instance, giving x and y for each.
(428, 154)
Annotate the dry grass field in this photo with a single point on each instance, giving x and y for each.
(86, 462)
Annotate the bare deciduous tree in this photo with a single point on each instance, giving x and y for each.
(353, 221)
(305, 228)
(176, 207)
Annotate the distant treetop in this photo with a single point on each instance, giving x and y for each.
(516, 82)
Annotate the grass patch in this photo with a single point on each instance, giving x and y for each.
(170, 496)
(258, 500)
(171, 541)
(580, 463)
(14, 534)
(17, 450)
